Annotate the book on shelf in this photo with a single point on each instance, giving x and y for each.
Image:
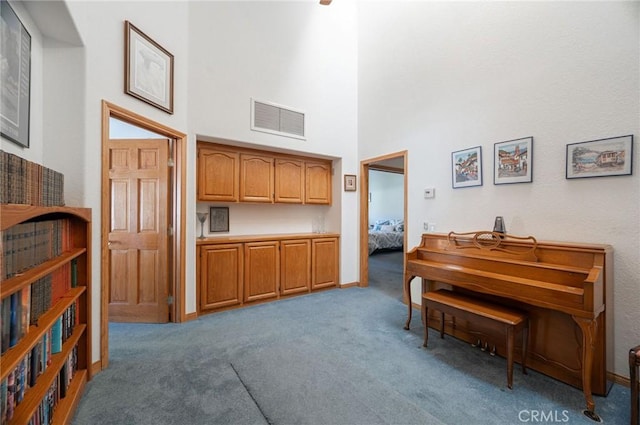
(26, 182)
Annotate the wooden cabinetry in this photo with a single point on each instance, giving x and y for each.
(220, 268)
(289, 181)
(318, 183)
(256, 178)
(238, 270)
(218, 178)
(64, 274)
(324, 254)
(295, 266)
(231, 174)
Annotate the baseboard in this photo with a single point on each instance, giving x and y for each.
(617, 379)
(190, 316)
(349, 285)
(96, 368)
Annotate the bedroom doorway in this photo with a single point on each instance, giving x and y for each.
(383, 210)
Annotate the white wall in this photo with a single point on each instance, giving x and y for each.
(436, 77)
(386, 199)
(297, 54)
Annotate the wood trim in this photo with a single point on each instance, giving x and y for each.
(177, 288)
(365, 166)
(348, 285)
(386, 169)
(190, 316)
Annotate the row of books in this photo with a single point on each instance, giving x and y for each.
(14, 387)
(29, 183)
(24, 307)
(28, 244)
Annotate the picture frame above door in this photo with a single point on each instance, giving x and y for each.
(148, 69)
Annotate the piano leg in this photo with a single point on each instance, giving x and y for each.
(589, 329)
(407, 291)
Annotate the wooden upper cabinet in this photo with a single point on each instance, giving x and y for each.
(232, 174)
(318, 183)
(256, 178)
(289, 181)
(218, 175)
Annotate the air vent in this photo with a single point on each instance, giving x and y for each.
(275, 119)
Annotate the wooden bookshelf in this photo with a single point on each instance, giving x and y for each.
(78, 246)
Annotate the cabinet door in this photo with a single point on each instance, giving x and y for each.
(295, 266)
(325, 264)
(256, 178)
(289, 181)
(218, 175)
(221, 274)
(261, 271)
(317, 183)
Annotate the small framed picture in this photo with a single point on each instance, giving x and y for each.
(512, 161)
(466, 167)
(349, 182)
(148, 69)
(600, 158)
(218, 219)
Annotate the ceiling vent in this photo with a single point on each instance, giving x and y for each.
(275, 119)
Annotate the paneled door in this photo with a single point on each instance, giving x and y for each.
(138, 260)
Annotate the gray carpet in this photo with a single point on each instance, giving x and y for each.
(334, 357)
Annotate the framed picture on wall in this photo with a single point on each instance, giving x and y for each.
(349, 182)
(512, 161)
(466, 167)
(600, 158)
(15, 77)
(148, 69)
(219, 219)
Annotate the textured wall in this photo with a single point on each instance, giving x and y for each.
(437, 77)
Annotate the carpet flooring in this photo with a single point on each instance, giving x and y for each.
(334, 357)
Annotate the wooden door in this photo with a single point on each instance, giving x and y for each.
(218, 175)
(317, 183)
(325, 263)
(295, 266)
(256, 178)
(138, 255)
(289, 181)
(221, 275)
(261, 270)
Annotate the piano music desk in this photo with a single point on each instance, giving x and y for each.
(468, 308)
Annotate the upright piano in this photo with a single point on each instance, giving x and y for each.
(562, 287)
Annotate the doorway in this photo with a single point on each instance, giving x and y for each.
(143, 222)
(391, 163)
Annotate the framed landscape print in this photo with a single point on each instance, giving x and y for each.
(512, 161)
(600, 158)
(15, 77)
(148, 69)
(466, 167)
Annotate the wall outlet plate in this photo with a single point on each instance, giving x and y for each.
(429, 192)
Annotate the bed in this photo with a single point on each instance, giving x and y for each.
(386, 235)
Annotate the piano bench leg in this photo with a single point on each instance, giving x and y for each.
(425, 320)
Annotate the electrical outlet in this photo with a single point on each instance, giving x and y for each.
(432, 227)
(429, 192)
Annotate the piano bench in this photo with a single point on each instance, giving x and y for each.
(473, 309)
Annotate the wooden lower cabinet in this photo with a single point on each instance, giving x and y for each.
(263, 268)
(295, 266)
(221, 275)
(324, 265)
